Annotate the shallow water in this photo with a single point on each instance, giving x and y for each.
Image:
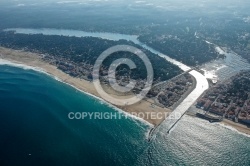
(118, 142)
(222, 69)
(202, 83)
(35, 130)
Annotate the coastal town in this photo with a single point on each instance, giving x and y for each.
(169, 89)
(76, 60)
(164, 94)
(230, 99)
(81, 70)
(125, 82)
(169, 93)
(85, 71)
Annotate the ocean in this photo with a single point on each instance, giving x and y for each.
(35, 130)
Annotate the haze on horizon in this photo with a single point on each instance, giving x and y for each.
(208, 6)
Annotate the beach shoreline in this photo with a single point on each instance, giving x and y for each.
(34, 61)
(238, 127)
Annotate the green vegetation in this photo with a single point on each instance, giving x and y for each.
(87, 50)
(234, 34)
(181, 44)
(169, 29)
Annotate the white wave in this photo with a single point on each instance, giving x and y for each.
(232, 129)
(40, 70)
(188, 118)
(102, 101)
(26, 67)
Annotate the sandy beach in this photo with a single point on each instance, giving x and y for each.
(240, 127)
(143, 109)
(228, 124)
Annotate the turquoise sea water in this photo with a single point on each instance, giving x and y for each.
(34, 120)
(35, 130)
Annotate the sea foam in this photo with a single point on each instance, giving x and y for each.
(232, 129)
(40, 70)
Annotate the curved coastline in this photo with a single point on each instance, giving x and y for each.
(233, 129)
(202, 83)
(40, 70)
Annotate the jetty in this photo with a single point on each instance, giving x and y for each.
(168, 124)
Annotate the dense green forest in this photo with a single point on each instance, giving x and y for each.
(181, 44)
(233, 34)
(169, 29)
(87, 49)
